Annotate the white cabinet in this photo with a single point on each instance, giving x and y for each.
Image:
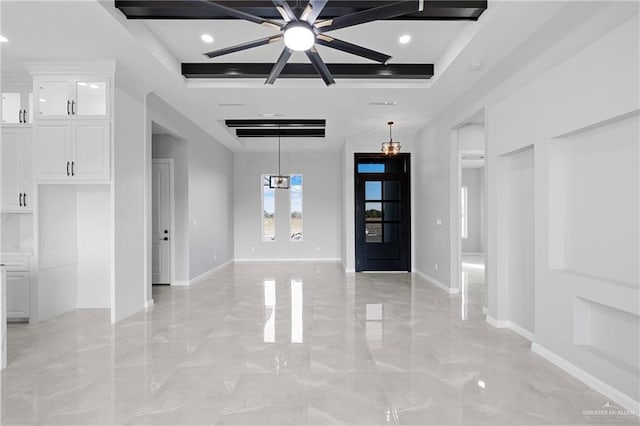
(72, 97)
(17, 107)
(73, 151)
(17, 174)
(18, 285)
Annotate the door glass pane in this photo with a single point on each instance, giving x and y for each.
(371, 167)
(392, 211)
(373, 232)
(373, 212)
(373, 190)
(392, 190)
(91, 97)
(53, 98)
(11, 107)
(391, 232)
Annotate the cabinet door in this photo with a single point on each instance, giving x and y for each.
(53, 99)
(18, 295)
(52, 156)
(11, 108)
(90, 150)
(27, 107)
(27, 187)
(90, 98)
(11, 169)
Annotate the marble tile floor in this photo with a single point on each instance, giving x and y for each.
(290, 344)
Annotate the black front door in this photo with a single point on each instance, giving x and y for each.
(383, 212)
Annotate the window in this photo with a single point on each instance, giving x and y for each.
(268, 211)
(464, 230)
(295, 208)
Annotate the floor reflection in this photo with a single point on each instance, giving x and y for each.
(270, 311)
(297, 321)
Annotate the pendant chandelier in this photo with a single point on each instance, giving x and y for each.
(279, 181)
(392, 147)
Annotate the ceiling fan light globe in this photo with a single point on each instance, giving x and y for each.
(299, 38)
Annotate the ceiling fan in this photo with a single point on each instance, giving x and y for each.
(304, 31)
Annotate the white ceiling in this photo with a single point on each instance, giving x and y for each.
(90, 30)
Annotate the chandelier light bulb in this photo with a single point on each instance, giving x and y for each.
(299, 37)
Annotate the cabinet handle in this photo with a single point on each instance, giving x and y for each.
(20, 116)
(73, 166)
(68, 105)
(73, 107)
(24, 199)
(68, 168)
(24, 115)
(20, 199)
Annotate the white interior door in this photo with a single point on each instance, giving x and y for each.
(162, 220)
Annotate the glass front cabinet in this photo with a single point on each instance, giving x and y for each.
(72, 97)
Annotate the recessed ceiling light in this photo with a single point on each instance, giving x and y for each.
(42, 100)
(207, 38)
(404, 39)
(3, 39)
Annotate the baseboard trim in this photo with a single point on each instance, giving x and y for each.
(436, 283)
(207, 274)
(485, 310)
(610, 392)
(180, 283)
(473, 253)
(309, 259)
(511, 326)
(148, 304)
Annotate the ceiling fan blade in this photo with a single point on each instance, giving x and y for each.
(377, 13)
(240, 14)
(313, 10)
(285, 10)
(279, 66)
(354, 49)
(320, 66)
(244, 46)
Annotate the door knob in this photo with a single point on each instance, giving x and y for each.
(165, 239)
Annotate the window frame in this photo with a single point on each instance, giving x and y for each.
(265, 178)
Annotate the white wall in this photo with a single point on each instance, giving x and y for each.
(321, 201)
(129, 186)
(516, 197)
(211, 192)
(57, 251)
(167, 146)
(94, 246)
(473, 179)
(600, 179)
(557, 94)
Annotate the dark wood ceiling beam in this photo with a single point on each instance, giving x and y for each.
(305, 70)
(285, 133)
(186, 9)
(275, 123)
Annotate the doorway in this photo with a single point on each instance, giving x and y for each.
(383, 212)
(162, 221)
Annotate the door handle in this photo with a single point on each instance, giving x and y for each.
(73, 167)
(20, 199)
(68, 168)
(24, 199)
(73, 107)
(20, 116)
(68, 105)
(164, 239)
(24, 115)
